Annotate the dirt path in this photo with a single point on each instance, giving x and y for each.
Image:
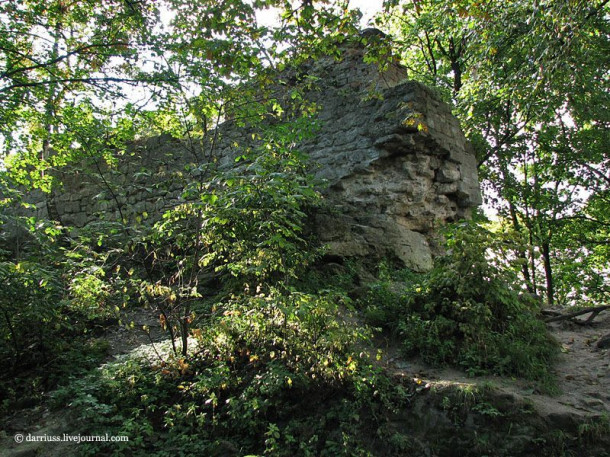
(583, 374)
(583, 370)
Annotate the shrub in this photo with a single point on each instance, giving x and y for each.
(274, 374)
(468, 311)
(53, 294)
(240, 230)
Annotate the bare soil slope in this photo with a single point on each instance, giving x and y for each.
(582, 370)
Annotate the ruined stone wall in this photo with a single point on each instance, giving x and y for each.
(396, 163)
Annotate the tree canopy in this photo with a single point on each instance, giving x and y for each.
(528, 80)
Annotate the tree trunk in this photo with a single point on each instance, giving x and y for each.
(521, 253)
(548, 273)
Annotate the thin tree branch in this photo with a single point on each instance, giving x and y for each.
(596, 310)
(92, 81)
(51, 62)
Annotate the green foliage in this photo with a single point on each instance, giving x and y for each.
(272, 374)
(468, 311)
(525, 79)
(594, 429)
(265, 367)
(460, 401)
(242, 230)
(55, 296)
(55, 54)
(38, 332)
(29, 299)
(385, 298)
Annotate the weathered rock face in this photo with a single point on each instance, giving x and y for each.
(395, 160)
(398, 167)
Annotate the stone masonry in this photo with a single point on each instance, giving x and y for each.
(396, 164)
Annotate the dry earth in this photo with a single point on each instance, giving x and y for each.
(583, 373)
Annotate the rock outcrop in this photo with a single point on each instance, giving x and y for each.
(396, 164)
